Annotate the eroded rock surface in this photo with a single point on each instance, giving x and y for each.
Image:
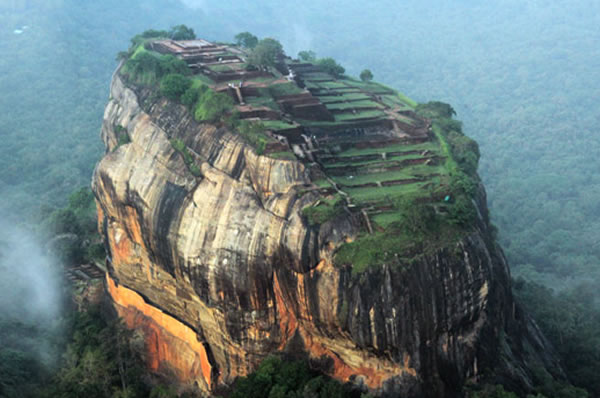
(221, 270)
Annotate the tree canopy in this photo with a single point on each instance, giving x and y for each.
(366, 75)
(266, 53)
(182, 32)
(330, 66)
(174, 85)
(307, 56)
(246, 39)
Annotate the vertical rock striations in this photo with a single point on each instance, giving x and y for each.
(220, 269)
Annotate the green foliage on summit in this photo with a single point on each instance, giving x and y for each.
(148, 68)
(188, 159)
(246, 39)
(174, 85)
(331, 66)
(211, 106)
(324, 211)
(266, 53)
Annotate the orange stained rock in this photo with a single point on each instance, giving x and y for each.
(167, 339)
(287, 320)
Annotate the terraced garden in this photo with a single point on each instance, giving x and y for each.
(377, 157)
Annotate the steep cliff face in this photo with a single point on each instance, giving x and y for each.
(220, 270)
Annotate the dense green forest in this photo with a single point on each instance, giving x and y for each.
(522, 75)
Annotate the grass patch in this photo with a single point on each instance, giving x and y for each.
(359, 115)
(332, 85)
(220, 68)
(395, 101)
(312, 85)
(211, 106)
(323, 183)
(362, 195)
(183, 150)
(253, 133)
(267, 101)
(326, 210)
(200, 79)
(326, 99)
(386, 219)
(399, 245)
(431, 146)
(354, 105)
(370, 87)
(316, 75)
(277, 125)
(404, 174)
(281, 89)
(122, 136)
(389, 161)
(285, 155)
(372, 250)
(262, 79)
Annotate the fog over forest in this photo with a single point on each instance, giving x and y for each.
(31, 306)
(522, 75)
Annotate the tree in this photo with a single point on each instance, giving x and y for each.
(417, 218)
(182, 32)
(174, 85)
(266, 53)
(307, 56)
(246, 39)
(366, 75)
(436, 109)
(211, 105)
(330, 66)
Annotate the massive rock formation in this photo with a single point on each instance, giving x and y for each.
(221, 270)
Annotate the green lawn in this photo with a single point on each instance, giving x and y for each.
(262, 101)
(262, 79)
(394, 101)
(317, 76)
(333, 85)
(359, 115)
(369, 87)
(388, 160)
(310, 85)
(277, 90)
(202, 79)
(416, 171)
(282, 155)
(385, 219)
(220, 68)
(431, 146)
(323, 183)
(277, 124)
(344, 97)
(361, 195)
(355, 104)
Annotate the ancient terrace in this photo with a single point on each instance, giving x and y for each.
(366, 142)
